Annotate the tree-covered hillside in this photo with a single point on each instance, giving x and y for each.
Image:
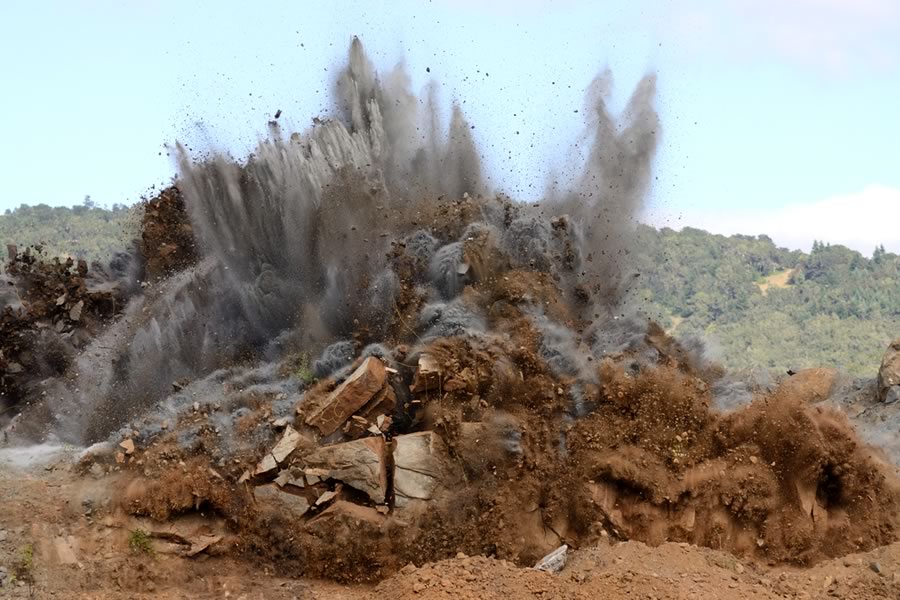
(764, 306)
(85, 231)
(757, 305)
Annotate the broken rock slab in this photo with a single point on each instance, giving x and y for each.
(347, 513)
(428, 374)
(359, 464)
(354, 393)
(289, 442)
(420, 462)
(273, 496)
(553, 562)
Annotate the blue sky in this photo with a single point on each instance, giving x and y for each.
(778, 116)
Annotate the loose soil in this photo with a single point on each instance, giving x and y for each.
(81, 551)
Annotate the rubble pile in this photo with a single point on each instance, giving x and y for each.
(498, 422)
(53, 308)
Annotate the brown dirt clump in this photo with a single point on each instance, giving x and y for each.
(779, 479)
(59, 309)
(520, 472)
(167, 237)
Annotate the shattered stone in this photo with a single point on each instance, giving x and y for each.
(329, 495)
(285, 446)
(358, 464)
(382, 404)
(128, 446)
(553, 562)
(419, 462)
(341, 510)
(272, 495)
(200, 543)
(282, 422)
(75, 311)
(354, 393)
(266, 465)
(286, 478)
(428, 374)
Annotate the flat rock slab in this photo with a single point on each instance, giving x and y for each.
(358, 464)
(348, 513)
(419, 463)
(279, 453)
(271, 495)
(354, 393)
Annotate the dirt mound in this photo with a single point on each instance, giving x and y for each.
(79, 545)
(499, 411)
(487, 460)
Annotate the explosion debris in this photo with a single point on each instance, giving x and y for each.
(481, 385)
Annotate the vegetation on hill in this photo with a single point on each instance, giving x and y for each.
(758, 305)
(87, 231)
(764, 306)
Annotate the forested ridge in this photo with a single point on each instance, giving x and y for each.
(758, 305)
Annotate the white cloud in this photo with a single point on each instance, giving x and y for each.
(861, 221)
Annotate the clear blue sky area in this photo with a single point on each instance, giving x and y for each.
(764, 103)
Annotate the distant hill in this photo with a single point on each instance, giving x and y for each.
(86, 231)
(764, 306)
(760, 306)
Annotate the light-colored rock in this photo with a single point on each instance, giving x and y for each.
(279, 453)
(419, 463)
(128, 445)
(266, 465)
(287, 444)
(273, 496)
(359, 464)
(889, 374)
(555, 561)
(354, 393)
(428, 374)
(75, 311)
(65, 550)
(329, 495)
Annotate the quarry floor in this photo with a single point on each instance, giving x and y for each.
(58, 539)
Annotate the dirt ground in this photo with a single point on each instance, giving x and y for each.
(61, 538)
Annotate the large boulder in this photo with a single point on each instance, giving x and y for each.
(889, 374)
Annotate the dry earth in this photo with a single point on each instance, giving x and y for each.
(80, 549)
